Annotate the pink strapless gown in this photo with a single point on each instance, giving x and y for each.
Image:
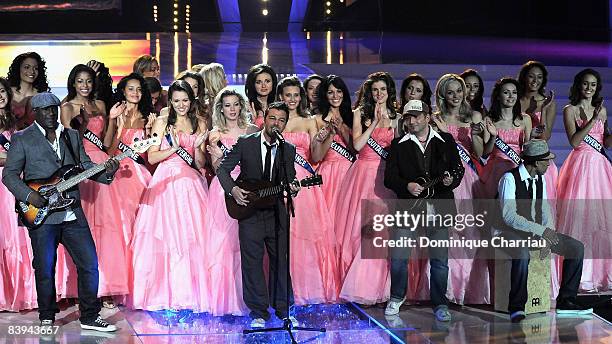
(168, 242)
(587, 175)
(469, 278)
(333, 169)
(17, 284)
(259, 122)
(552, 173)
(102, 208)
(314, 272)
(498, 162)
(23, 112)
(223, 251)
(366, 281)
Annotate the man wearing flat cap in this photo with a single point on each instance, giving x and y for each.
(37, 152)
(422, 153)
(526, 213)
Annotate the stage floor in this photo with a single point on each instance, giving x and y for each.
(344, 324)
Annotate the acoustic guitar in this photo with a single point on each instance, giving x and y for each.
(428, 185)
(53, 188)
(261, 195)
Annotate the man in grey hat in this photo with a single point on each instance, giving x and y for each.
(38, 152)
(526, 214)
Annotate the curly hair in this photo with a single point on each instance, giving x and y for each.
(8, 121)
(426, 98)
(249, 84)
(219, 120)
(495, 110)
(345, 106)
(574, 94)
(14, 73)
(145, 105)
(76, 70)
(465, 110)
(104, 86)
(182, 86)
(293, 81)
(522, 77)
(477, 103)
(365, 99)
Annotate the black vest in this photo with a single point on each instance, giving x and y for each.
(523, 208)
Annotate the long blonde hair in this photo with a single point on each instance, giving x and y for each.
(465, 110)
(219, 120)
(214, 80)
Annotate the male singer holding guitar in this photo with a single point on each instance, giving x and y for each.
(259, 157)
(38, 152)
(422, 152)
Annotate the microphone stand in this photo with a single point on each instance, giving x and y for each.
(287, 325)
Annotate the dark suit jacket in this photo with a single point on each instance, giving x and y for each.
(247, 153)
(31, 154)
(402, 167)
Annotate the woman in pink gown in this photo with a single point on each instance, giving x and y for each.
(100, 202)
(585, 182)
(313, 248)
(506, 121)
(469, 278)
(230, 120)
(17, 286)
(260, 89)
(542, 110)
(130, 120)
(27, 77)
(366, 281)
(474, 87)
(335, 129)
(168, 243)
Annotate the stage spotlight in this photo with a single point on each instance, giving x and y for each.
(264, 12)
(328, 3)
(328, 11)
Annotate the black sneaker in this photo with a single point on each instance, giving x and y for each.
(569, 307)
(98, 325)
(517, 317)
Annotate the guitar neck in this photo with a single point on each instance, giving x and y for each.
(67, 184)
(274, 190)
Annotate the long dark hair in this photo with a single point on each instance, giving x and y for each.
(14, 74)
(249, 84)
(345, 107)
(72, 79)
(305, 85)
(574, 94)
(495, 110)
(477, 104)
(144, 106)
(522, 77)
(293, 81)
(365, 99)
(9, 121)
(104, 86)
(201, 96)
(426, 90)
(177, 86)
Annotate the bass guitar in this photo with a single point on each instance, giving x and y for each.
(53, 188)
(261, 195)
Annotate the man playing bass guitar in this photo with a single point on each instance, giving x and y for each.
(38, 152)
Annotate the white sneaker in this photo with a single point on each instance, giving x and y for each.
(258, 323)
(393, 307)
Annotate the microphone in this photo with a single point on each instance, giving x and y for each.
(277, 134)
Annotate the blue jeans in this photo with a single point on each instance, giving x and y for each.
(438, 261)
(78, 242)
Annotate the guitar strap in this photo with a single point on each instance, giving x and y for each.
(596, 145)
(378, 148)
(508, 151)
(343, 151)
(6, 144)
(76, 158)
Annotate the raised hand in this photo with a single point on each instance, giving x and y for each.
(173, 138)
(95, 65)
(440, 123)
(490, 126)
(477, 128)
(548, 100)
(598, 113)
(150, 120)
(117, 110)
(201, 138)
(378, 114)
(214, 150)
